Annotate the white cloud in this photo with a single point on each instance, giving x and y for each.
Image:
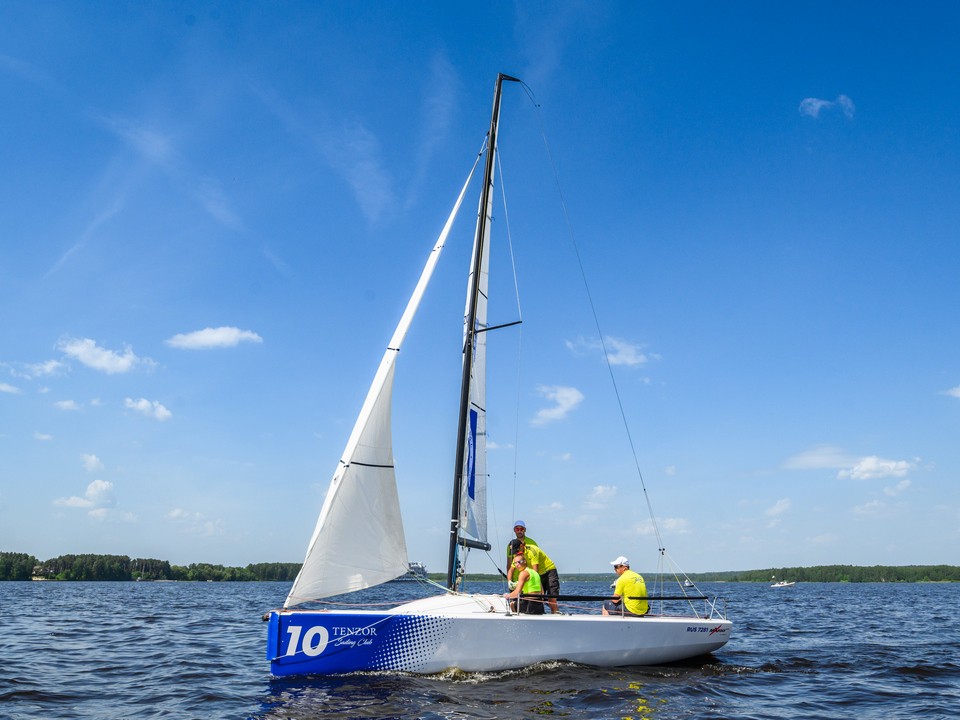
(600, 496)
(621, 352)
(670, 470)
(618, 351)
(99, 495)
(220, 337)
(896, 489)
(873, 467)
(862, 468)
(92, 355)
(42, 436)
(66, 405)
(564, 457)
(812, 107)
(564, 399)
(9, 389)
(91, 463)
(953, 392)
(150, 409)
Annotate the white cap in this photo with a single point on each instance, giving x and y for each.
(620, 561)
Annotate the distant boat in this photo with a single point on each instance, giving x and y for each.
(359, 543)
(415, 571)
(782, 583)
(688, 584)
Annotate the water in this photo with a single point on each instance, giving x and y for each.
(196, 650)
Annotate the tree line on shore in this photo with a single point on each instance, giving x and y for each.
(21, 566)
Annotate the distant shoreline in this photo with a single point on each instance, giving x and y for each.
(90, 567)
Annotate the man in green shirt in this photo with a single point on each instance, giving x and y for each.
(629, 585)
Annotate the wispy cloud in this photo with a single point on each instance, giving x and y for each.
(778, 508)
(112, 207)
(354, 151)
(776, 511)
(151, 409)
(438, 109)
(207, 338)
(42, 437)
(349, 147)
(812, 107)
(93, 356)
(66, 405)
(10, 389)
(158, 148)
(50, 367)
(673, 526)
(822, 456)
(953, 392)
(897, 489)
(564, 400)
(155, 146)
(871, 508)
(618, 351)
(196, 523)
(600, 497)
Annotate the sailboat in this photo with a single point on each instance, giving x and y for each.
(358, 541)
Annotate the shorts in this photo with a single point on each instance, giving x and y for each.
(530, 605)
(550, 581)
(617, 608)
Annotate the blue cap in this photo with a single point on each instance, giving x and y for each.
(520, 523)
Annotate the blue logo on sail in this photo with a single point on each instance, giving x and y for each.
(472, 456)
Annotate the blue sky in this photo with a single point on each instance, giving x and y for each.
(212, 216)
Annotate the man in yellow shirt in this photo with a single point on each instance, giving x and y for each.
(537, 560)
(629, 585)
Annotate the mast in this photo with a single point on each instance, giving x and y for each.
(486, 194)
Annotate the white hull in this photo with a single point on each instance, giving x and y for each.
(477, 633)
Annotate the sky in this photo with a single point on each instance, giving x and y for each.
(213, 214)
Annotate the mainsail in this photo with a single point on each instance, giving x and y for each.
(358, 541)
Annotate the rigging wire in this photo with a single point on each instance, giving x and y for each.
(596, 319)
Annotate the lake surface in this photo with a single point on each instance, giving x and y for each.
(197, 650)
